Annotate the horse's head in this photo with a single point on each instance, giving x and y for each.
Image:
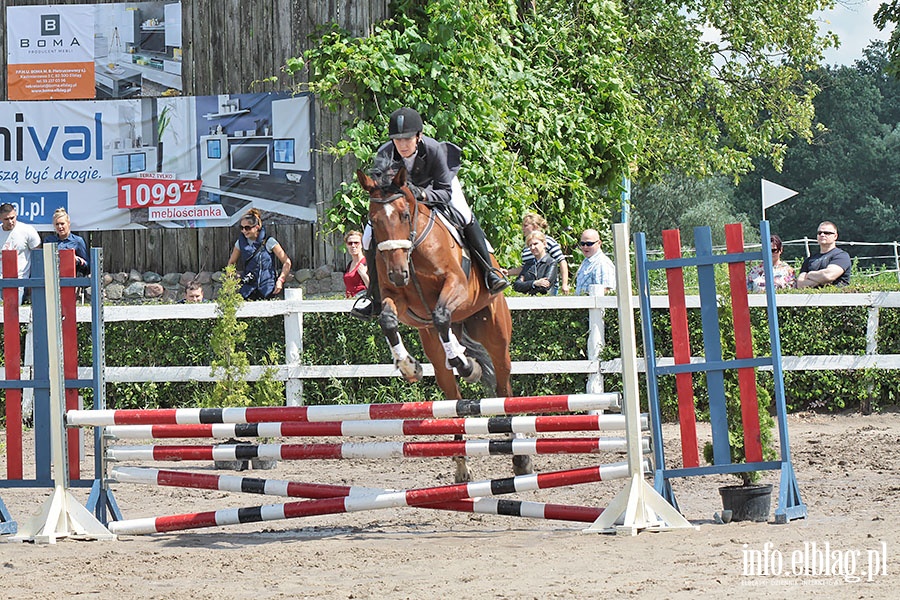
(392, 212)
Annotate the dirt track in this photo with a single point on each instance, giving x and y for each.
(847, 466)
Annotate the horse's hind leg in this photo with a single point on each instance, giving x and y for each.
(390, 326)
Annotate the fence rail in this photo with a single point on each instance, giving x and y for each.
(293, 372)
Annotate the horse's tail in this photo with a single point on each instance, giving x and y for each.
(476, 350)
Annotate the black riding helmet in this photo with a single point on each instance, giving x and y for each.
(405, 123)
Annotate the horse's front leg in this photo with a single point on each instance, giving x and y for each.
(455, 352)
(390, 326)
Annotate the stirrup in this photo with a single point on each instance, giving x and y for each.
(363, 309)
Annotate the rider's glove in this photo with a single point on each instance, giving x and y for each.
(417, 192)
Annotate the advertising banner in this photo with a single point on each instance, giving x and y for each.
(159, 162)
(86, 51)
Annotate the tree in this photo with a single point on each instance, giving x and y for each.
(678, 201)
(889, 14)
(848, 172)
(554, 105)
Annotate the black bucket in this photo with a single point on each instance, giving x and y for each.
(747, 502)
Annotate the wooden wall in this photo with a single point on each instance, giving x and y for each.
(230, 47)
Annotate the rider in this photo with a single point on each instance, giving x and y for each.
(432, 168)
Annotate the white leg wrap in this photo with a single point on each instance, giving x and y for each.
(453, 348)
(399, 353)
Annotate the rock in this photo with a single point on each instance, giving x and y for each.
(302, 275)
(115, 291)
(186, 278)
(134, 291)
(323, 272)
(151, 277)
(120, 277)
(153, 290)
(133, 275)
(171, 280)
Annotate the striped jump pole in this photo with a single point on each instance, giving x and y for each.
(390, 427)
(394, 499)
(349, 412)
(370, 450)
(294, 489)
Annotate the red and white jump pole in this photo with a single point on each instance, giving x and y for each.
(390, 427)
(370, 450)
(294, 489)
(350, 412)
(391, 499)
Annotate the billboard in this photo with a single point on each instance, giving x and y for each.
(86, 51)
(168, 162)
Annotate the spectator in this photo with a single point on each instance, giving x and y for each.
(21, 237)
(535, 222)
(193, 293)
(596, 268)
(356, 276)
(539, 276)
(782, 273)
(830, 265)
(260, 279)
(66, 240)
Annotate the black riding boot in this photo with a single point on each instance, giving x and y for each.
(372, 309)
(477, 242)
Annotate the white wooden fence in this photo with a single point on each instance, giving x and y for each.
(293, 372)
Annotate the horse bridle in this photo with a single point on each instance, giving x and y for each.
(414, 241)
(409, 245)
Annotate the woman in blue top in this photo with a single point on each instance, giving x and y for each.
(260, 279)
(66, 240)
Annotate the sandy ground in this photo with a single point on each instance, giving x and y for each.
(847, 467)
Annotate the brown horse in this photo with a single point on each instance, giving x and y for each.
(424, 285)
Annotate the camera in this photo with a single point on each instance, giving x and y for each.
(248, 278)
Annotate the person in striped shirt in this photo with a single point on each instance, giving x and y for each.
(532, 222)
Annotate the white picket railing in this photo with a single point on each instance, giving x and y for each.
(293, 372)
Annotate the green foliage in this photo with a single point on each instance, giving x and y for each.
(540, 106)
(887, 16)
(555, 104)
(229, 365)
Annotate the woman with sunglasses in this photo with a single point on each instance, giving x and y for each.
(596, 268)
(782, 273)
(260, 279)
(356, 277)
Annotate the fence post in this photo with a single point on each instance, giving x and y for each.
(293, 348)
(595, 341)
(865, 404)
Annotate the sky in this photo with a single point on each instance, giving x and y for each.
(852, 21)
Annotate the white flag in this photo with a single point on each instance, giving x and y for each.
(772, 194)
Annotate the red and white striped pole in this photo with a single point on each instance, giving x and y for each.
(370, 450)
(348, 412)
(294, 489)
(390, 427)
(394, 499)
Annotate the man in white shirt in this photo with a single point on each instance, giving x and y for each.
(21, 237)
(596, 268)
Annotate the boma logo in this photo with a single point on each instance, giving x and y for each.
(51, 27)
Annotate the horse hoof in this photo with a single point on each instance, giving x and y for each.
(475, 375)
(522, 465)
(463, 473)
(410, 369)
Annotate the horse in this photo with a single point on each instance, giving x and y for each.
(425, 285)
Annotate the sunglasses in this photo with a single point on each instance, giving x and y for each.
(826, 233)
(353, 243)
(588, 244)
(247, 227)
(776, 250)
